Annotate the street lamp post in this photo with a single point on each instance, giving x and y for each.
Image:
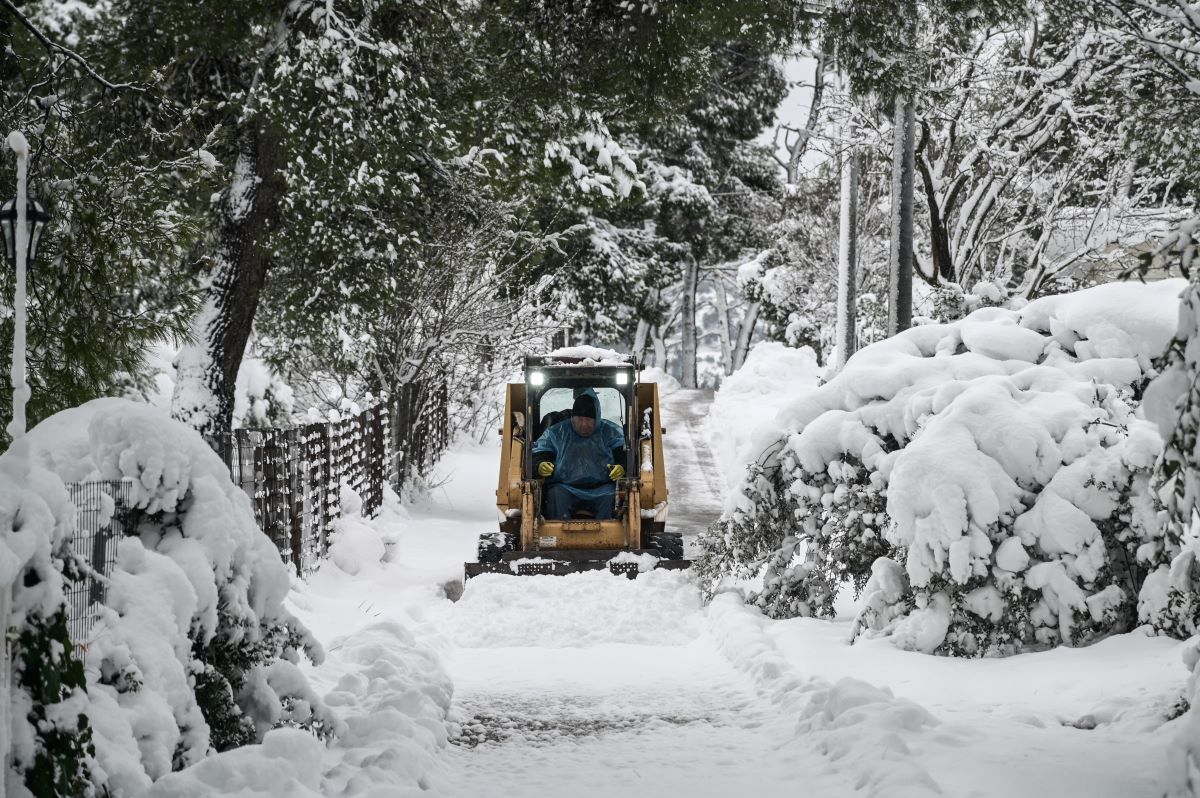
(22, 220)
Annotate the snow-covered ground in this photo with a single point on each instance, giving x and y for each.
(591, 685)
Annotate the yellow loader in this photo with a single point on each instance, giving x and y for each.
(527, 543)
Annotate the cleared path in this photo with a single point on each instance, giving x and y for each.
(589, 685)
(693, 483)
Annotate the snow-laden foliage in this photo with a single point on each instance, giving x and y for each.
(996, 464)
(193, 648)
(52, 751)
(1172, 402)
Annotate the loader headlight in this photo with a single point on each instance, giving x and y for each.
(537, 378)
(622, 378)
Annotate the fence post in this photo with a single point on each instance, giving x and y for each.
(329, 497)
(295, 465)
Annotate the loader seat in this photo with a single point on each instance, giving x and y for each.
(551, 419)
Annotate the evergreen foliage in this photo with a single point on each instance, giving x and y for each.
(49, 672)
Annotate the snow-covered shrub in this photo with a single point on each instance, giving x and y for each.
(186, 655)
(52, 750)
(1000, 458)
(840, 515)
(1173, 403)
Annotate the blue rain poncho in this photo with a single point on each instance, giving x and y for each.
(581, 464)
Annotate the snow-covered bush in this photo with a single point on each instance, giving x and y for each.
(52, 750)
(998, 458)
(194, 647)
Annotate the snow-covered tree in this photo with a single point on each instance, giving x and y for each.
(102, 290)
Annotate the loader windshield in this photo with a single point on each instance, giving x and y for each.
(559, 401)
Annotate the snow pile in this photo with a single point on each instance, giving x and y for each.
(865, 729)
(741, 423)
(589, 608)
(394, 699)
(357, 544)
(666, 383)
(997, 461)
(194, 648)
(391, 698)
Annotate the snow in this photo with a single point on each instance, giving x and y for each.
(563, 684)
(741, 423)
(37, 520)
(18, 143)
(261, 397)
(591, 355)
(666, 383)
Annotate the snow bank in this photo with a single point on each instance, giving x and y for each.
(864, 729)
(194, 645)
(943, 445)
(391, 700)
(741, 423)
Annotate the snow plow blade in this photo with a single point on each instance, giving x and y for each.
(559, 563)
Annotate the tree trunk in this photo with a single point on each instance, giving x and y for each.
(723, 326)
(745, 333)
(207, 367)
(660, 348)
(939, 236)
(901, 265)
(644, 326)
(639, 339)
(847, 253)
(691, 279)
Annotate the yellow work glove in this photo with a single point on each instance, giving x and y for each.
(616, 471)
(545, 468)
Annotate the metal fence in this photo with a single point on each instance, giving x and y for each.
(294, 477)
(105, 514)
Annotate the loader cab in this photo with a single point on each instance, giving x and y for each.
(551, 392)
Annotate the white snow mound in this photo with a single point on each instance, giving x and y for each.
(584, 609)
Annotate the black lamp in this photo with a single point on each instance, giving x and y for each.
(35, 219)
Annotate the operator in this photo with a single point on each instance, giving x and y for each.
(580, 457)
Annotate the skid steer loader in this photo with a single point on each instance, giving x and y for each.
(527, 543)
